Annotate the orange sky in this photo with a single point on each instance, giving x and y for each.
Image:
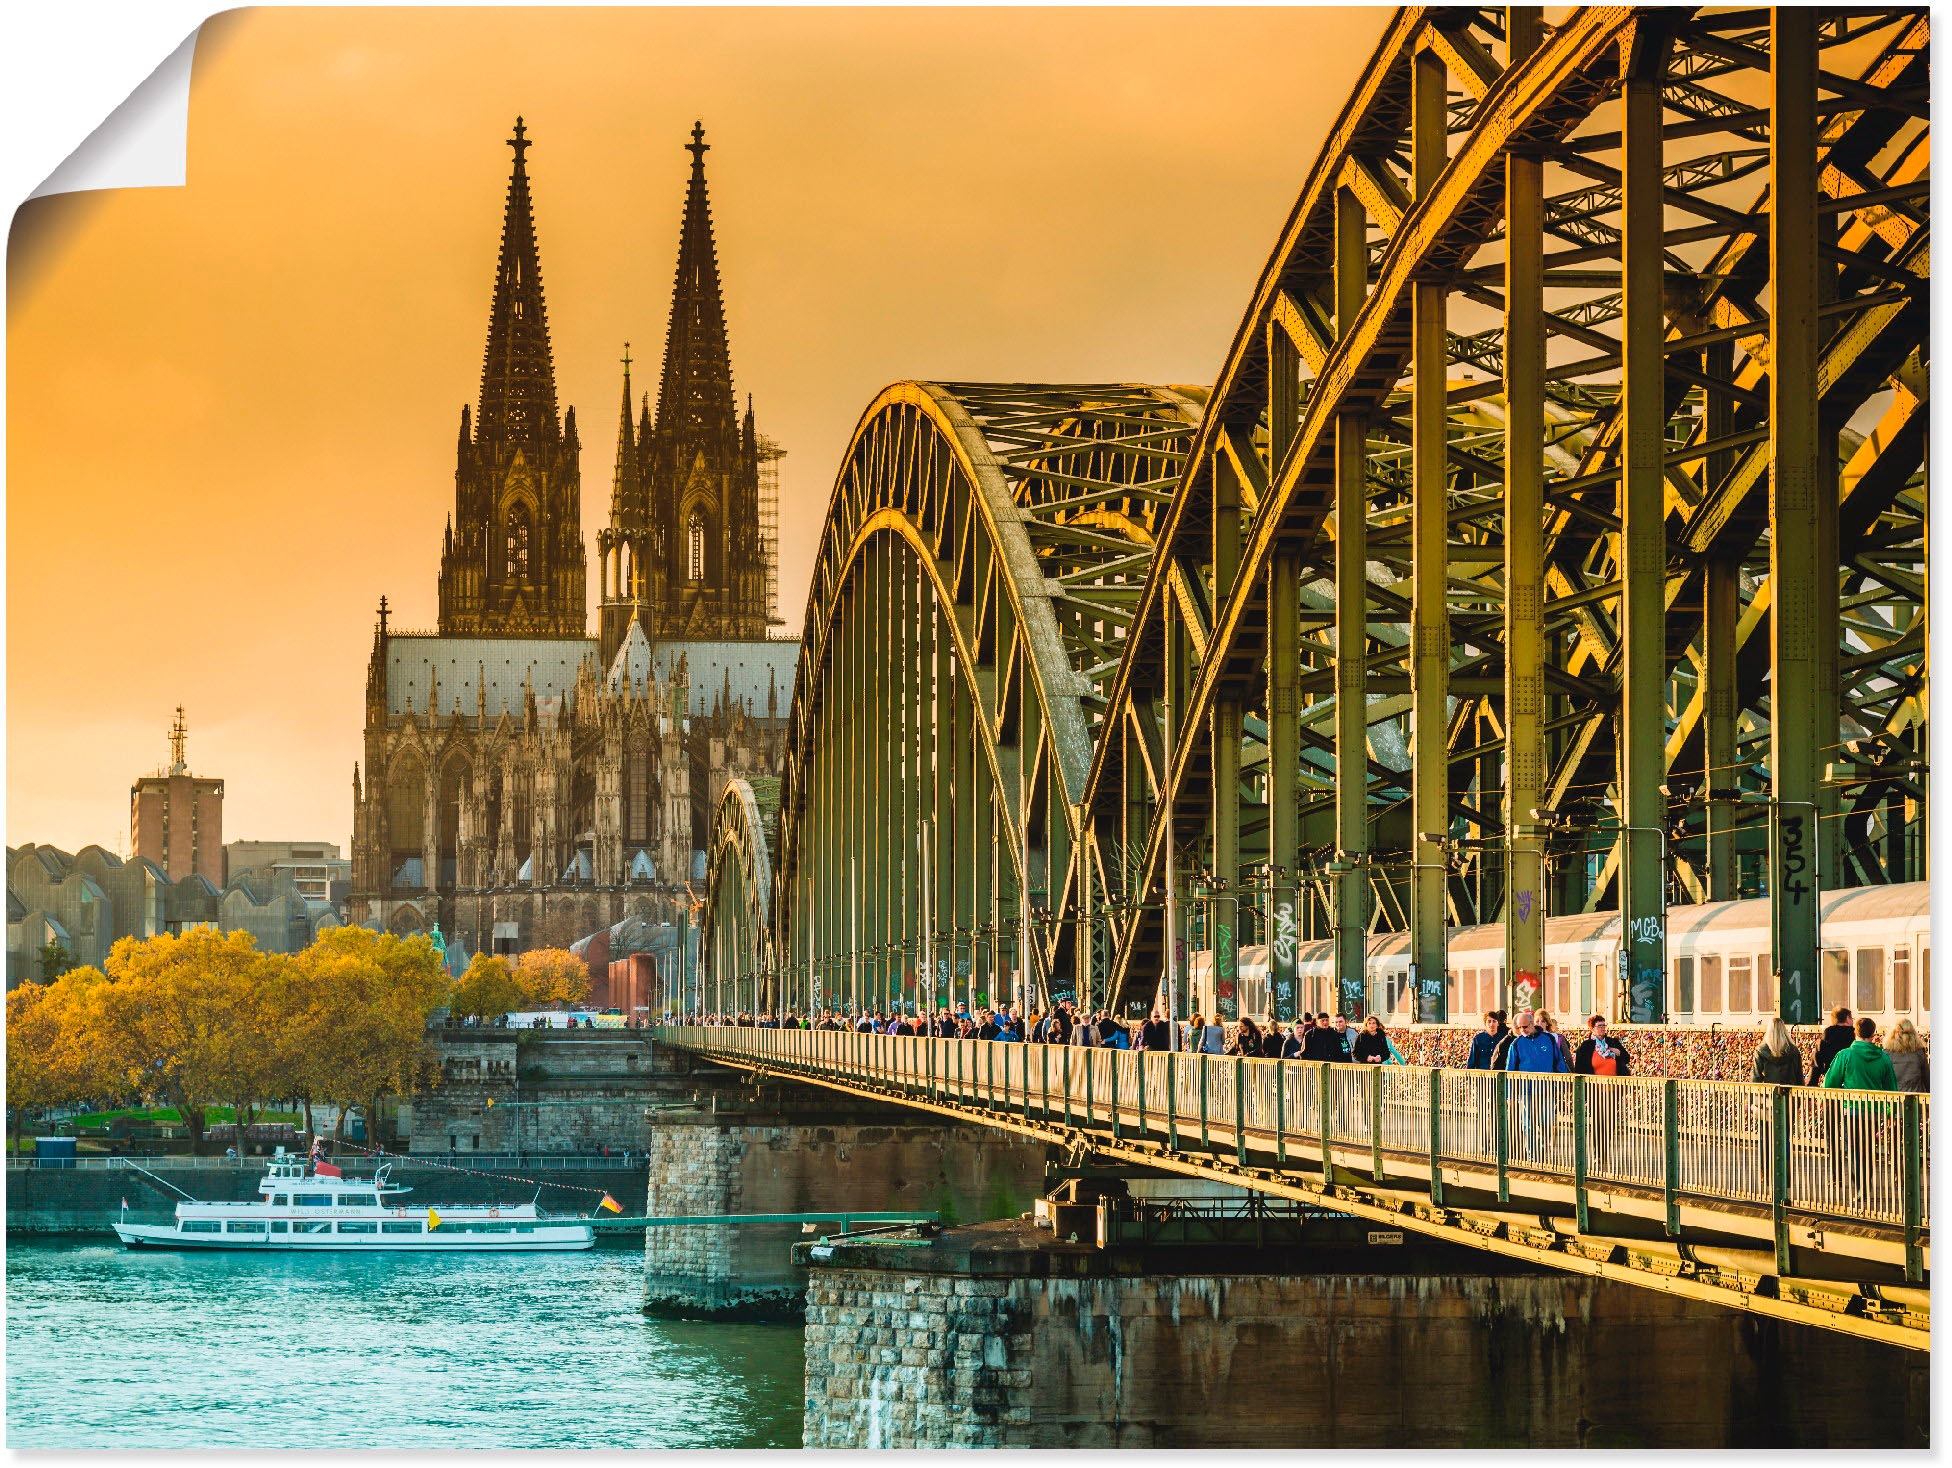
(232, 406)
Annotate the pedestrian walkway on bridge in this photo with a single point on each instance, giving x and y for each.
(1802, 1204)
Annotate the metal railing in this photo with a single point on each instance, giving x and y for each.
(1858, 1155)
(528, 1161)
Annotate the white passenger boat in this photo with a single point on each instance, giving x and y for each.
(302, 1207)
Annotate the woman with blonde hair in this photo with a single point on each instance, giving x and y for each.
(1777, 1060)
(1907, 1055)
(1544, 1021)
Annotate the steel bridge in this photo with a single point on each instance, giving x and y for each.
(1805, 1205)
(1553, 541)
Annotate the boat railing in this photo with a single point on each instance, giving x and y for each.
(436, 1161)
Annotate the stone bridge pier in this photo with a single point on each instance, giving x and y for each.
(1001, 1336)
(780, 1148)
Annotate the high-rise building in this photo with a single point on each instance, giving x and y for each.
(176, 819)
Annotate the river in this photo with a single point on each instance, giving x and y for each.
(108, 1348)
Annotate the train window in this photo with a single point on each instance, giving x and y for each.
(1684, 986)
(1565, 988)
(1709, 987)
(1901, 979)
(1585, 986)
(1454, 987)
(1836, 977)
(1870, 979)
(1741, 984)
(1925, 979)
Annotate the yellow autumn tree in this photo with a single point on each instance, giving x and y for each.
(487, 990)
(181, 1021)
(553, 976)
(51, 1061)
(357, 1005)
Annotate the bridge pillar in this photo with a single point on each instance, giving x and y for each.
(1351, 523)
(1002, 1336)
(805, 1153)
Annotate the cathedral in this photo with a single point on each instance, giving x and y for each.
(523, 783)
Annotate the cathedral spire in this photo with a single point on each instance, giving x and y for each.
(518, 375)
(694, 396)
(625, 506)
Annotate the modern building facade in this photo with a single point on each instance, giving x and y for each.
(523, 783)
(177, 820)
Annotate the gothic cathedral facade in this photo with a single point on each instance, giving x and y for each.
(524, 784)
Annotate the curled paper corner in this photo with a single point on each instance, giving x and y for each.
(142, 144)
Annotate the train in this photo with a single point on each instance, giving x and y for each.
(1876, 958)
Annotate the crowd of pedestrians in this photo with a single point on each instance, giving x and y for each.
(1849, 1054)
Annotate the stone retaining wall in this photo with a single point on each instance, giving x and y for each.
(902, 1358)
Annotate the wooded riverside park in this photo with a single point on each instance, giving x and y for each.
(205, 1019)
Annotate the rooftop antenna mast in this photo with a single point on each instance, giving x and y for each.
(179, 734)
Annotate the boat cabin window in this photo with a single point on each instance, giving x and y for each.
(279, 1200)
(1835, 967)
(200, 1226)
(304, 1226)
(244, 1228)
(359, 1228)
(312, 1200)
(354, 1200)
(400, 1228)
(280, 1226)
(1870, 978)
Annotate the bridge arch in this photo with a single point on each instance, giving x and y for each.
(981, 552)
(1528, 431)
(736, 941)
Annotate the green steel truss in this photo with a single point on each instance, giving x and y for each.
(1513, 388)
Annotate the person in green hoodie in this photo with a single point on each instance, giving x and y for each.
(1863, 1066)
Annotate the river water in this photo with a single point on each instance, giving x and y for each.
(108, 1348)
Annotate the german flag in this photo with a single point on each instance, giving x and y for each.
(610, 1204)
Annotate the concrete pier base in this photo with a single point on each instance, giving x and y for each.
(994, 1337)
(799, 1163)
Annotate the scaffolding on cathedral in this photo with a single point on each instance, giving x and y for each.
(770, 453)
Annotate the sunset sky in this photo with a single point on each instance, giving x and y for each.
(232, 407)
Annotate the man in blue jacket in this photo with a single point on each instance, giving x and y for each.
(1534, 1049)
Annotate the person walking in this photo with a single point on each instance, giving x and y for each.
(1837, 1037)
(1322, 1043)
(1297, 1040)
(1777, 1060)
(1273, 1042)
(1535, 1050)
(1157, 1033)
(1371, 1046)
(1863, 1065)
(1484, 1043)
(1599, 1054)
(1247, 1039)
(1209, 1038)
(1502, 1049)
(1542, 1019)
(1906, 1053)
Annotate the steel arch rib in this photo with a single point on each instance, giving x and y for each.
(741, 870)
(1011, 484)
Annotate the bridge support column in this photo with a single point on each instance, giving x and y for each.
(1643, 538)
(1796, 512)
(1351, 519)
(1429, 575)
(1284, 761)
(1224, 940)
